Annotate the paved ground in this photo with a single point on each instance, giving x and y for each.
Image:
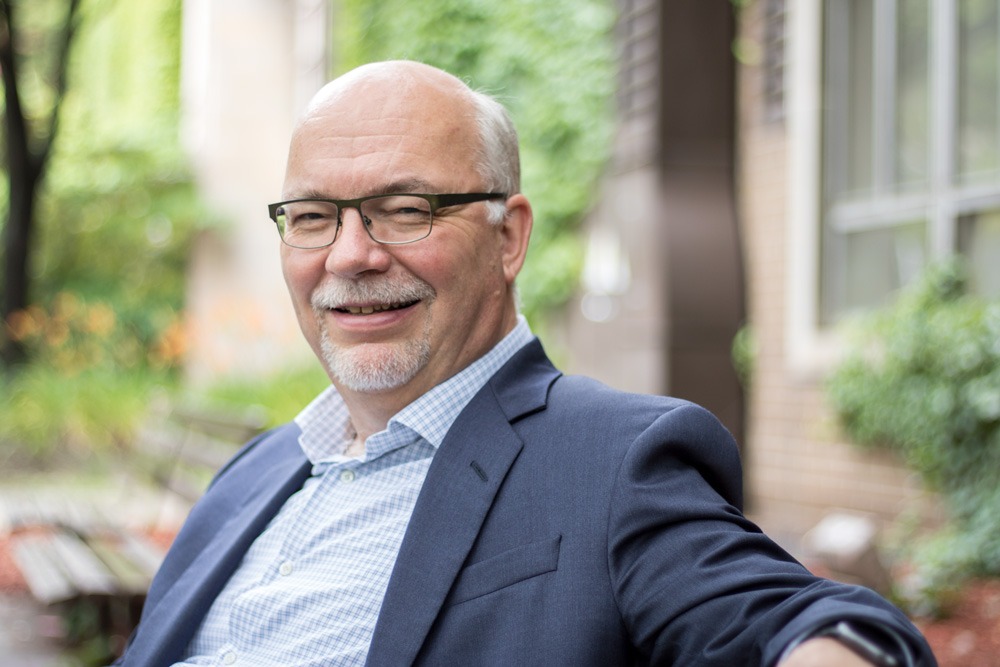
(23, 635)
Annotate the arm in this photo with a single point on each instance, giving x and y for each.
(697, 583)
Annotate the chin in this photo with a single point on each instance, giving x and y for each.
(375, 367)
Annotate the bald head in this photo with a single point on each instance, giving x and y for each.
(425, 100)
(398, 78)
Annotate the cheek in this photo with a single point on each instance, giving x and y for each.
(454, 277)
(300, 272)
(301, 277)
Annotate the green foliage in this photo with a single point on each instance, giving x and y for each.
(47, 414)
(923, 379)
(116, 217)
(119, 206)
(743, 352)
(552, 64)
(280, 396)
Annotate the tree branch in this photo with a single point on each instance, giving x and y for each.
(14, 120)
(59, 76)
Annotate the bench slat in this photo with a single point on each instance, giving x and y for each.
(87, 572)
(129, 577)
(38, 561)
(147, 556)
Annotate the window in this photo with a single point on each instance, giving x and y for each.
(910, 146)
(774, 60)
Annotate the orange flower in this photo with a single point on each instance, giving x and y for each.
(172, 344)
(100, 319)
(22, 325)
(65, 306)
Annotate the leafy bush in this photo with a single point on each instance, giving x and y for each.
(923, 379)
(279, 396)
(91, 373)
(48, 417)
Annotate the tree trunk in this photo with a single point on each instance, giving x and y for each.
(24, 171)
(21, 182)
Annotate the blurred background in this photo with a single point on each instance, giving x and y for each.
(785, 210)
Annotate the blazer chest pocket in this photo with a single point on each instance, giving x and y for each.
(506, 569)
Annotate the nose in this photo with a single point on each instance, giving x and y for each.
(355, 252)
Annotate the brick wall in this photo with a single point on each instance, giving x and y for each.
(798, 465)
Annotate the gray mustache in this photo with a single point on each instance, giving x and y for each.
(337, 294)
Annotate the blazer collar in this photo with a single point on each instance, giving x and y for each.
(459, 490)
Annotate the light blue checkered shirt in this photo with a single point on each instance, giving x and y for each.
(309, 589)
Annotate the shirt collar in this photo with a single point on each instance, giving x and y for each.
(325, 422)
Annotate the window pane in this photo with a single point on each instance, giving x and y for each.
(912, 94)
(847, 106)
(979, 241)
(862, 270)
(978, 91)
(860, 117)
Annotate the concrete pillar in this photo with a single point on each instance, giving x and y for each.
(249, 67)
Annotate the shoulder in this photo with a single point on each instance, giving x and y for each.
(264, 451)
(585, 400)
(645, 436)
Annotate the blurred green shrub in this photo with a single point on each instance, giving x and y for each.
(743, 353)
(91, 373)
(923, 379)
(279, 396)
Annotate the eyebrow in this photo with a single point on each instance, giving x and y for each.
(408, 185)
(403, 186)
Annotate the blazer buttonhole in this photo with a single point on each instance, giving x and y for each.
(479, 471)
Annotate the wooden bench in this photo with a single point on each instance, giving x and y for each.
(92, 569)
(183, 446)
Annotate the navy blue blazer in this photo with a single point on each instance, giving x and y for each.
(561, 523)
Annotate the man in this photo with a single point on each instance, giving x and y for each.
(453, 499)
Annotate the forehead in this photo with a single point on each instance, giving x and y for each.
(376, 132)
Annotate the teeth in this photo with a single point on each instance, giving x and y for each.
(368, 310)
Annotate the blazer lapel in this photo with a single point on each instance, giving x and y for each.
(178, 614)
(461, 485)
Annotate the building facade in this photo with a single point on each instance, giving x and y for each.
(869, 142)
(864, 145)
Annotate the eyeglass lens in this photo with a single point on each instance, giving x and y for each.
(389, 219)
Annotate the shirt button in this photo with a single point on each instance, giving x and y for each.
(346, 475)
(285, 568)
(229, 658)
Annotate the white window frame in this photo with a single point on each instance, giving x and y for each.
(811, 350)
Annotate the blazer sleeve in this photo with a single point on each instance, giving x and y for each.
(698, 583)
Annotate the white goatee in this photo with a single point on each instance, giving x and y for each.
(380, 366)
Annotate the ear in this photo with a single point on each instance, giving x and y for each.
(515, 231)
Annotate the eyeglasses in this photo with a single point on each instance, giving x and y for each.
(388, 219)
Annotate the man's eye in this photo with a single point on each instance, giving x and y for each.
(310, 218)
(411, 210)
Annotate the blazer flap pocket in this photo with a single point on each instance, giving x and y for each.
(506, 569)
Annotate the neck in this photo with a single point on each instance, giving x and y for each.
(371, 411)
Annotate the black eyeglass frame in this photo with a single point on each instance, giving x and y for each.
(435, 202)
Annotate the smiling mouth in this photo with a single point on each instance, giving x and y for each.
(375, 308)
